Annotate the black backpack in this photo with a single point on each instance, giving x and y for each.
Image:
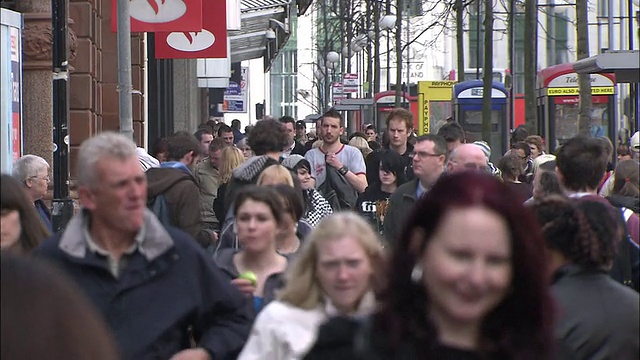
(337, 191)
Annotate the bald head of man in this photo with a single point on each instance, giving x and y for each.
(467, 157)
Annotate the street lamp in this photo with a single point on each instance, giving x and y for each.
(387, 23)
(323, 75)
(333, 57)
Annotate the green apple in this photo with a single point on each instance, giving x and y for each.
(249, 275)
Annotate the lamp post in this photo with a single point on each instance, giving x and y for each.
(319, 75)
(323, 73)
(62, 205)
(387, 23)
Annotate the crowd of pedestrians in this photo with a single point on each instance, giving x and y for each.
(283, 243)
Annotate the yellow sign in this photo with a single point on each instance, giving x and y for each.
(567, 91)
(431, 91)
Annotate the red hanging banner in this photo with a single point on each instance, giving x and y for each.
(161, 15)
(211, 42)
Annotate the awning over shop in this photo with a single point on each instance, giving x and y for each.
(625, 64)
(265, 29)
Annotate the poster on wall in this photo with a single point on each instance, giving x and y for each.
(10, 89)
(235, 96)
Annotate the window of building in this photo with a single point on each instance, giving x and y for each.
(476, 39)
(557, 39)
(283, 78)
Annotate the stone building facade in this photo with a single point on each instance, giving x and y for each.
(93, 59)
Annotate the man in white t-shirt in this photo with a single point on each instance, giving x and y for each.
(346, 159)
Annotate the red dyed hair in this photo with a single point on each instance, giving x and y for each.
(520, 327)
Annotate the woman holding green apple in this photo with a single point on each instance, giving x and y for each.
(256, 268)
(333, 275)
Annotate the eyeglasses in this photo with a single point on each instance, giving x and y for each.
(423, 154)
(47, 179)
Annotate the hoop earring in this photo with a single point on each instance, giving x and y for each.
(416, 274)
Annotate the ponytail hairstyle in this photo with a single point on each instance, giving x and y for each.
(626, 179)
(568, 228)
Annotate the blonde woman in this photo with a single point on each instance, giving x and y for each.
(230, 159)
(333, 275)
(274, 175)
(362, 145)
(279, 177)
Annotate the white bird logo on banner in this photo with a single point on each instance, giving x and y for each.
(191, 41)
(157, 11)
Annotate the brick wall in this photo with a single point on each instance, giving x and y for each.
(93, 97)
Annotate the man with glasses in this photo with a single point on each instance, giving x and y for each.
(467, 157)
(523, 152)
(428, 158)
(33, 172)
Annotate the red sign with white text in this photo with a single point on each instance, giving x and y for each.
(161, 15)
(211, 42)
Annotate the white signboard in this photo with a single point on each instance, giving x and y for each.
(351, 83)
(10, 88)
(476, 92)
(571, 80)
(337, 92)
(235, 97)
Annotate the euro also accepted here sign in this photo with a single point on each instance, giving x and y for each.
(595, 90)
(161, 15)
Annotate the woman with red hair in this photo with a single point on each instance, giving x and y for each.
(465, 282)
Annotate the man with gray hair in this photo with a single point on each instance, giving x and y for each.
(33, 172)
(155, 287)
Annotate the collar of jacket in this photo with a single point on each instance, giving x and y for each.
(153, 239)
(176, 165)
(570, 270)
(204, 167)
(409, 189)
(248, 170)
(406, 153)
(367, 306)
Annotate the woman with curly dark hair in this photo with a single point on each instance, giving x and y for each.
(597, 316)
(464, 281)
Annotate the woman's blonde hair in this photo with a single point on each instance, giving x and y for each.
(230, 159)
(361, 144)
(302, 288)
(278, 174)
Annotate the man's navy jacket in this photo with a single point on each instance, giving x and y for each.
(168, 292)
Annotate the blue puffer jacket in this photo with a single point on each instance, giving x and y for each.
(169, 291)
